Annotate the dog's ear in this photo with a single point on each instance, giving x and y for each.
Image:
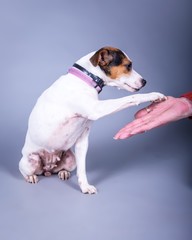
(103, 57)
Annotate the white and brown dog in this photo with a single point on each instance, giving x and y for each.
(62, 116)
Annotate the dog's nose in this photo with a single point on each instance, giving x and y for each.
(143, 81)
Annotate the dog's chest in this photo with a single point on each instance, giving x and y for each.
(67, 132)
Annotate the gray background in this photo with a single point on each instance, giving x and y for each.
(144, 183)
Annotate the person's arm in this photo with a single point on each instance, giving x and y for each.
(158, 114)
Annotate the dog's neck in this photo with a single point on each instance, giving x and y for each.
(93, 76)
(88, 77)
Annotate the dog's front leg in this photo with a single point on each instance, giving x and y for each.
(105, 107)
(80, 153)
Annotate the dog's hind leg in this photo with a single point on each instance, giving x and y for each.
(66, 165)
(30, 166)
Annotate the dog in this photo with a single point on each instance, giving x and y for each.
(62, 116)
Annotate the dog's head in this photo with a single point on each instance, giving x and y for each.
(118, 69)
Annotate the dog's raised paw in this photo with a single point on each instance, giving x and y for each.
(157, 97)
(64, 175)
(88, 189)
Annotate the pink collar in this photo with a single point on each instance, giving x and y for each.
(91, 79)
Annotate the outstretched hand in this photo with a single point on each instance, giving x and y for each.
(155, 115)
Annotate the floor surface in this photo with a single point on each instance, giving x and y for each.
(144, 192)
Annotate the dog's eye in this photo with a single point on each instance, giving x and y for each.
(129, 66)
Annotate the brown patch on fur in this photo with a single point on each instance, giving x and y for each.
(117, 71)
(112, 61)
(102, 57)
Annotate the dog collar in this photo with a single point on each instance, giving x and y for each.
(87, 77)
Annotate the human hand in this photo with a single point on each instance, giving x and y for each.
(155, 115)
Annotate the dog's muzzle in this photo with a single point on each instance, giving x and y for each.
(143, 82)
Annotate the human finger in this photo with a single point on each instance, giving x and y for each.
(143, 127)
(145, 111)
(128, 128)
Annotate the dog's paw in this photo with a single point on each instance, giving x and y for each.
(157, 97)
(64, 175)
(47, 174)
(32, 179)
(88, 189)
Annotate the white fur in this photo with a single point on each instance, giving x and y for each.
(63, 115)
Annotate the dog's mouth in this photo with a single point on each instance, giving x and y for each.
(132, 88)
